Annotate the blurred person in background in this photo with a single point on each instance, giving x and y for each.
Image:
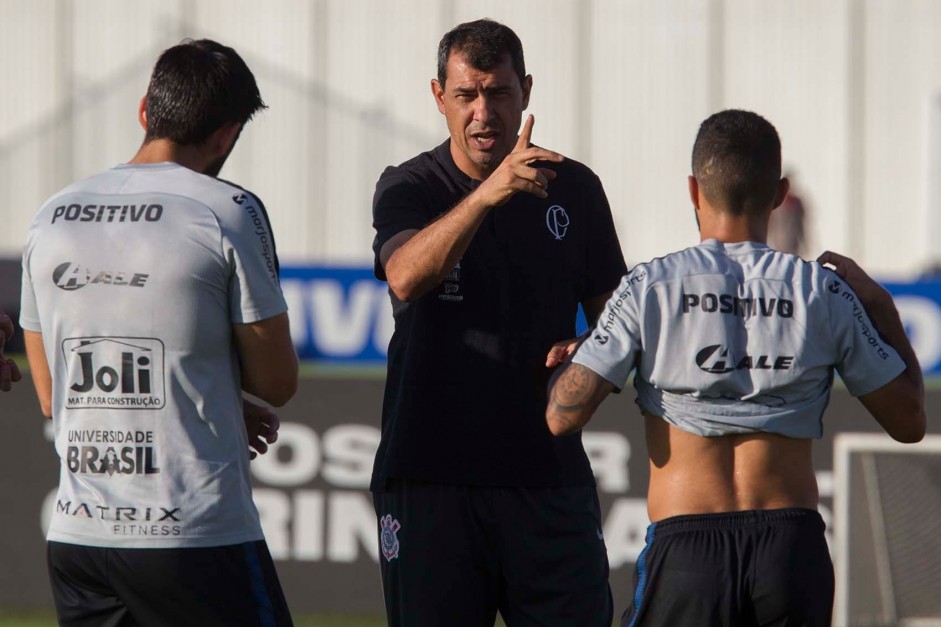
(733, 347)
(9, 371)
(489, 244)
(150, 301)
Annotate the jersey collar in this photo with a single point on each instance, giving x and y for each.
(443, 156)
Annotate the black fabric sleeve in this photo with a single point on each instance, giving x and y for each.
(398, 205)
(605, 260)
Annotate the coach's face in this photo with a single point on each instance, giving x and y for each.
(483, 111)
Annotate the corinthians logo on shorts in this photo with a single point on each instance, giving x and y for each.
(114, 373)
(388, 537)
(71, 276)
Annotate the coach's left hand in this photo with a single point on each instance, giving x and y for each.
(562, 351)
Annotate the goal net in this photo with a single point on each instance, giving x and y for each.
(887, 530)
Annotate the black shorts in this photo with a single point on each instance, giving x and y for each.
(734, 569)
(222, 586)
(455, 555)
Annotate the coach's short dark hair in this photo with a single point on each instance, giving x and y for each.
(196, 88)
(484, 43)
(737, 161)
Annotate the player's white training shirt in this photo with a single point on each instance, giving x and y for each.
(135, 292)
(737, 338)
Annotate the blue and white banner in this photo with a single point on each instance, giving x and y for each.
(339, 315)
(919, 305)
(342, 315)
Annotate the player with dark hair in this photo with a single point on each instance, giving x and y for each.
(9, 371)
(489, 244)
(733, 347)
(151, 301)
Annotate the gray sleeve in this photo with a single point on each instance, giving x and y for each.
(248, 247)
(864, 360)
(612, 347)
(29, 313)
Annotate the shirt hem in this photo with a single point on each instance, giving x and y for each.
(174, 542)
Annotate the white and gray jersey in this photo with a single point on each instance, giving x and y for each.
(737, 338)
(135, 277)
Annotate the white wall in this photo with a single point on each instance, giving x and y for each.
(619, 84)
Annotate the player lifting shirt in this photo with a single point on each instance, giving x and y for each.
(733, 346)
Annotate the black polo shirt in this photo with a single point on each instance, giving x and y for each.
(465, 393)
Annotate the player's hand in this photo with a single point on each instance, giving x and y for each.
(9, 371)
(515, 174)
(870, 293)
(562, 351)
(262, 426)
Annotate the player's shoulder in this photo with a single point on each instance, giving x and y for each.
(235, 193)
(825, 281)
(72, 195)
(692, 259)
(668, 268)
(100, 182)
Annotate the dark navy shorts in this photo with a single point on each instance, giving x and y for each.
(455, 555)
(224, 586)
(738, 569)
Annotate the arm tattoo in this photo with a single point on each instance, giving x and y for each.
(573, 389)
(575, 395)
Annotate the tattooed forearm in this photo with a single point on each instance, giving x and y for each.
(574, 394)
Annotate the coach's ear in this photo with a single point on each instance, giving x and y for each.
(142, 113)
(437, 90)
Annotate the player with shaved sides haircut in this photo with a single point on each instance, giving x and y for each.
(733, 347)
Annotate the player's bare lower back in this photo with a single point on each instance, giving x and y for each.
(691, 474)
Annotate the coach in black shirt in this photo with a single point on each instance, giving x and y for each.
(479, 507)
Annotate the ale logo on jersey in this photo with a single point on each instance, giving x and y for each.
(71, 276)
(114, 373)
(718, 359)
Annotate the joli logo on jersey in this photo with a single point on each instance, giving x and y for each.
(114, 373)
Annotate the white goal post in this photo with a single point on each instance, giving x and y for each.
(887, 531)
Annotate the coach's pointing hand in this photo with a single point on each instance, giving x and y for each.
(515, 174)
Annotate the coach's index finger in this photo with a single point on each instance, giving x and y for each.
(524, 142)
(526, 135)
